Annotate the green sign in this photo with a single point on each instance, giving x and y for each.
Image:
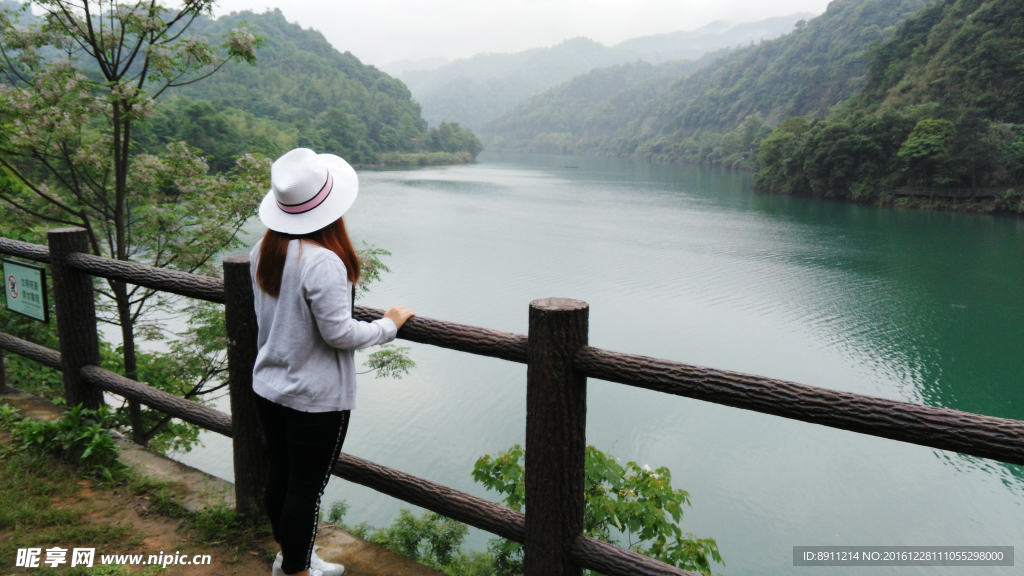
(26, 290)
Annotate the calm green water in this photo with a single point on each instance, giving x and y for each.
(692, 265)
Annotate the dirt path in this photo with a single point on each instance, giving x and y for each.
(122, 523)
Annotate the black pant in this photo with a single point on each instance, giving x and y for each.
(303, 447)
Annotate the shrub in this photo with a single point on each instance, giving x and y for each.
(81, 436)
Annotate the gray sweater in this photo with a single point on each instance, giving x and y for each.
(307, 336)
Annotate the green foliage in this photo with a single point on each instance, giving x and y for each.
(926, 147)
(26, 374)
(504, 474)
(81, 436)
(336, 516)
(301, 92)
(166, 372)
(371, 266)
(964, 55)
(390, 361)
(630, 501)
(9, 416)
(452, 138)
(939, 110)
(430, 539)
(220, 524)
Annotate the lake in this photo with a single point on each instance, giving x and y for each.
(692, 264)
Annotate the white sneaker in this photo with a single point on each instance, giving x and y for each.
(317, 567)
(326, 568)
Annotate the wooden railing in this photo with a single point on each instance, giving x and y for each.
(559, 361)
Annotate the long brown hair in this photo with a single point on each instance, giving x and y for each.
(274, 251)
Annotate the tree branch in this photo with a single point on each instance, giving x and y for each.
(38, 192)
(171, 84)
(17, 206)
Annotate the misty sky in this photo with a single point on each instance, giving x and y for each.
(382, 31)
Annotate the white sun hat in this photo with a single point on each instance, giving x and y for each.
(308, 191)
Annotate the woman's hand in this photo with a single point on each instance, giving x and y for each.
(399, 314)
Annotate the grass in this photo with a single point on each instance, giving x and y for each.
(43, 503)
(38, 504)
(216, 525)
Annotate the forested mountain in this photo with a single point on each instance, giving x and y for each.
(942, 108)
(474, 90)
(804, 73)
(302, 92)
(576, 116)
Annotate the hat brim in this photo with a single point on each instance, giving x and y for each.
(343, 195)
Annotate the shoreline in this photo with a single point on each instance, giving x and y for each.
(1013, 206)
(995, 207)
(410, 159)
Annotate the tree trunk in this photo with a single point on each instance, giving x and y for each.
(124, 313)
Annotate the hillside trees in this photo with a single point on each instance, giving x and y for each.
(940, 109)
(301, 92)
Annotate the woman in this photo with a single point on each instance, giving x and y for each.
(304, 271)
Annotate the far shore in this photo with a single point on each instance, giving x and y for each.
(407, 159)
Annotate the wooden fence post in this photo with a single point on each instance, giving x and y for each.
(76, 317)
(556, 426)
(250, 450)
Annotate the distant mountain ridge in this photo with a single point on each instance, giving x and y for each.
(804, 73)
(694, 44)
(474, 90)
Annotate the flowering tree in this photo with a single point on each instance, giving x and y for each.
(74, 83)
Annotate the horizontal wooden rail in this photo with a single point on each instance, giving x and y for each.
(1000, 439)
(187, 410)
(449, 502)
(590, 553)
(175, 406)
(174, 281)
(461, 337)
(24, 250)
(41, 354)
(611, 560)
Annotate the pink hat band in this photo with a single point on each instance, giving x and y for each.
(312, 202)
